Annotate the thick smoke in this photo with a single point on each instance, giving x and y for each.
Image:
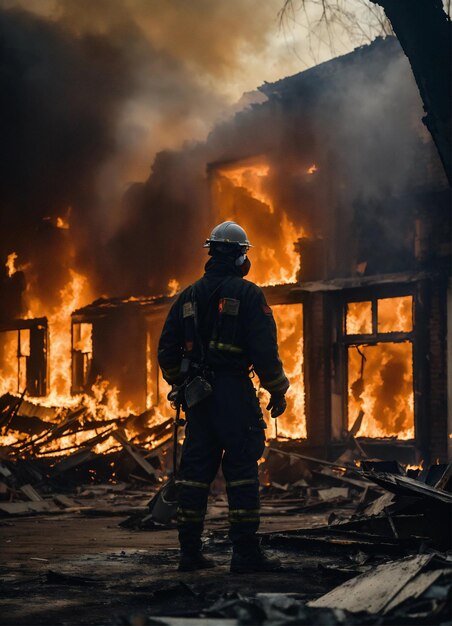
(90, 91)
(358, 119)
(60, 95)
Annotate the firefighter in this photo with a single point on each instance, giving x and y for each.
(217, 334)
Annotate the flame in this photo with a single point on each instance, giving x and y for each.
(381, 374)
(385, 391)
(14, 350)
(9, 380)
(395, 314)
(85, 341)
(243, 193)
(75, 294)
(312, 169)
(289, 322)
(410, 466)
(359, 318)
(252, 178)
(11, 264)
(102, 405)
(173, 287)
(62, 223)
(157, 388)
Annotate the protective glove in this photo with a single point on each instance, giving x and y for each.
(176, 395)
(277, 405)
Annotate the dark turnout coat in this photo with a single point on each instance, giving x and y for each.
(235, 325)
(224, 324)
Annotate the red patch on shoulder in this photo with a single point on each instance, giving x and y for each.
(267, 310)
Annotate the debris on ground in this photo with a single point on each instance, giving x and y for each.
(363, 541)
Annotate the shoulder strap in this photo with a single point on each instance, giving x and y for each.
(197, 322)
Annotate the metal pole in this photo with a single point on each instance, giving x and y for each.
(175, 432)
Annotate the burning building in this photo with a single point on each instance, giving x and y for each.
(342, 194)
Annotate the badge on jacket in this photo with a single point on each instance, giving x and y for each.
(229, 306)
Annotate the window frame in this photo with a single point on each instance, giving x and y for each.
(346, 341)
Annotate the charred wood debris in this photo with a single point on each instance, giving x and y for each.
(386, 530)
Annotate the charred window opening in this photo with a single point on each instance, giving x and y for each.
(23, 356)
(379, 351)
(82, 355)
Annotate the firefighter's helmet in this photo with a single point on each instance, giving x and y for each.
(228, 232)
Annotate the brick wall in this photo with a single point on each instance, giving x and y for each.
(437, 375)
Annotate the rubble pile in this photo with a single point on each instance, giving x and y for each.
(362, 541)
(51, 453)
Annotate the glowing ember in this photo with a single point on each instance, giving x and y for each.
(173, 287)
(62, 223)
(243, 193)
(11, 264)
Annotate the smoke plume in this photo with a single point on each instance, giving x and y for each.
(90, 92)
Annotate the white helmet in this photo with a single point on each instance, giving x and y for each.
(228, 232)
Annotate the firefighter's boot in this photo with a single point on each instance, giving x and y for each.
(249, 559)
(192, 561)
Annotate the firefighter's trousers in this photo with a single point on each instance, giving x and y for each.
(227, 429)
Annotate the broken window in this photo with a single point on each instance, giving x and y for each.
(82, 355)
(380, 366)
(23, 357)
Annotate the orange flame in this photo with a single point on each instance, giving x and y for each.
(75, 294)
(11, 264)
(359, 318)
(289, 322)
(173, 287)
(243, 193)
(381, 374)
(62, 223)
